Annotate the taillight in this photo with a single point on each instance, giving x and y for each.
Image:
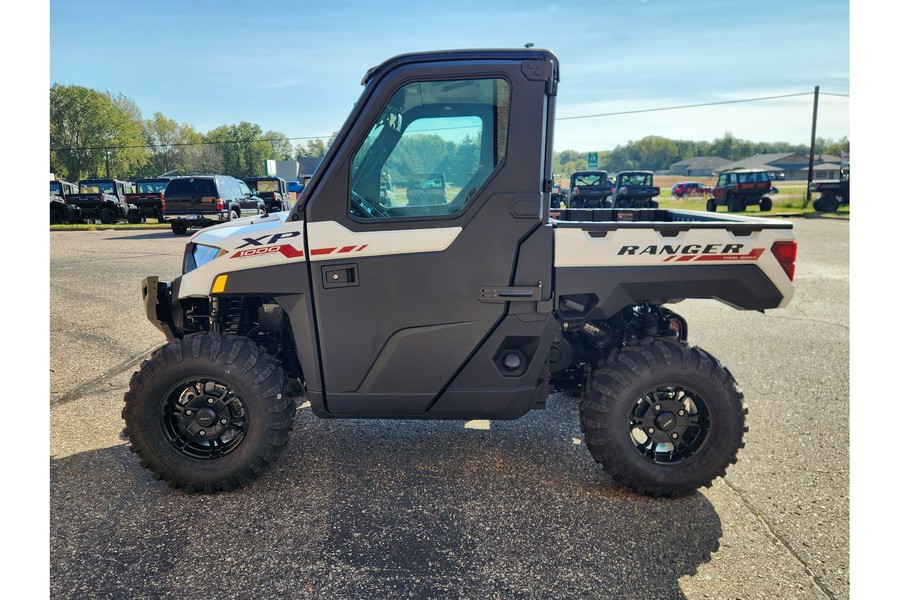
(219, 204)
(577, 192)
(786, 254)
(625, 190)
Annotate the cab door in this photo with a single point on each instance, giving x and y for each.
(399, 286)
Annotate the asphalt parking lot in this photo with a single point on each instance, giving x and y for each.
(406, 509)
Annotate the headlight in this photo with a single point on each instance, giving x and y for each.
(199, 255)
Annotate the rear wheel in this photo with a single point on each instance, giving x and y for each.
(208, 412)
(828, 203)
(134, 216)
(765, 204)
(107, 216)
(179, 228)
(663, 418)
(55, 217)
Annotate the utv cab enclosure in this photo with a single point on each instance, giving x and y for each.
(477, 306)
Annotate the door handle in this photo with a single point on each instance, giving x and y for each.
(334, 276)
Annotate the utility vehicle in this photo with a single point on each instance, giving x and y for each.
(478, 307)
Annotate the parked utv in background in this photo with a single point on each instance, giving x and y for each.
(204, 200)
(426, 188)
(147, 199)
(832, 194)
(273, 190)
(476, 308)
(635, 189)
(590, 189)
(102, 200)
(739, 189)
(60, 212)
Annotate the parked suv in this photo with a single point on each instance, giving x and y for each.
(203, 200)
(738, 189)
(690, 188)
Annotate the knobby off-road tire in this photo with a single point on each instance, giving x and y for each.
(208, 412)
(663, 418)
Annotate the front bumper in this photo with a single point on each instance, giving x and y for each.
(158, 305)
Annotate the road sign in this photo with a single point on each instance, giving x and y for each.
(593, 160)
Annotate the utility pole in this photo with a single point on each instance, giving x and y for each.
(812, 147)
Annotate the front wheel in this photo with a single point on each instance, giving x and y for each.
(734, 204)
(711, 205)
(208, 412)
(663, 418)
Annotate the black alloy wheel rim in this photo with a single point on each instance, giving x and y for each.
(204, 419)
(669, 425)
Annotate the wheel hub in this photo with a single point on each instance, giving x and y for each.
(668, 426)
(204, 419)
(666, 421)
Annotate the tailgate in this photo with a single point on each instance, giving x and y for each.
(191, 204)
(683, 254)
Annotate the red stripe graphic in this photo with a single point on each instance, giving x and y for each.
(752, 255)
(285, 249)
(289, 251)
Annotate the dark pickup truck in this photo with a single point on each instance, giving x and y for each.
(273, 190)
(832, 194)
(101, 199)
(147, 199)
(590, 189)
(635, 189)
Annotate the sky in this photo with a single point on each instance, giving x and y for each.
(295, 67)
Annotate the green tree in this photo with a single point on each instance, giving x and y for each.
(313, 148)
(243, 148)
(281, 146)
(93, 133)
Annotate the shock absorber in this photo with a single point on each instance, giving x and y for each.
(234, 316)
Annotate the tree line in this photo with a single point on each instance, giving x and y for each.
(98, 134)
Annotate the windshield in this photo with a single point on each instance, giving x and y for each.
(635, 179)
(263, 186)
(152, 187)
(95, 187)
(588, 180)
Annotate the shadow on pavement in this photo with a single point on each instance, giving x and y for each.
(381, 509)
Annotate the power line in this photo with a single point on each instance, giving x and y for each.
(719, 103)
(322, 137)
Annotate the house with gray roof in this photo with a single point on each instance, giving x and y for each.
(790, 166)
(699, 166)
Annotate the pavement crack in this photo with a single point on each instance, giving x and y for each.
(770, 529)
(80, 391)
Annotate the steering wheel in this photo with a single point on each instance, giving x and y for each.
(362, 208)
